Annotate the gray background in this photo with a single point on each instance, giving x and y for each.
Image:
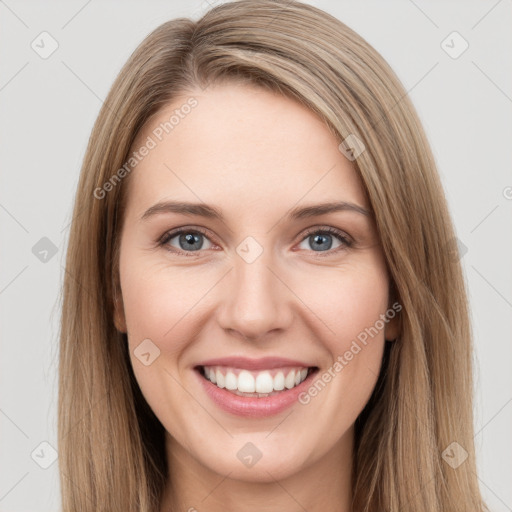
(47, 109)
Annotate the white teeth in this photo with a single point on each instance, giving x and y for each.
(220, 379)
(289, 381)
(264, 383)
(230, 381)
(246, 382)
(260, 384)
(279, 381)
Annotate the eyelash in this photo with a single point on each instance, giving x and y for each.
(347, 243)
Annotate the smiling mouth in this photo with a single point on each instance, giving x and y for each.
(256, 384)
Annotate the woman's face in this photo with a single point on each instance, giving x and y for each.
(258, 292)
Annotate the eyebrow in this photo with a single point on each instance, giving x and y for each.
(210, 212)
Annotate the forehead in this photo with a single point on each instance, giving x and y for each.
(240, 146)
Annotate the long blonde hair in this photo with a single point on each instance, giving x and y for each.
(111, 445)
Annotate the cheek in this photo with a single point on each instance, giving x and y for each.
(150, 304)
(349, 301)
(351, 305)
(159, 306)
(159, 302)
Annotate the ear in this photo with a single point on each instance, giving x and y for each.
(392, 329)
(119, 317)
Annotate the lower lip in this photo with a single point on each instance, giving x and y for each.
(253, 407)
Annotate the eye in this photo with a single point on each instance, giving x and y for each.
(185, 240)
(322, 239)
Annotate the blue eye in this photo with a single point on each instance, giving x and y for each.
(322, 239)
(186, 242)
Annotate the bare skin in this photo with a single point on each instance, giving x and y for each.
(254, 156)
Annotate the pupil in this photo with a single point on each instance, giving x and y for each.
(319, 239)
(191, 241)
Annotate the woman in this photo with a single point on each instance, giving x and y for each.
(211, 357)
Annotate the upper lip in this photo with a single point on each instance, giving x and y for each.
(264, 363)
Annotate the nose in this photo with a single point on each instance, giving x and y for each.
(255, 300)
